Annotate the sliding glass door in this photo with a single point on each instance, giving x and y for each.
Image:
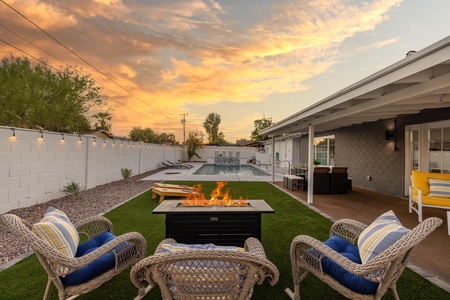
(427, 148)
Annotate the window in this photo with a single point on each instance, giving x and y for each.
(439, 150)
(324, 150)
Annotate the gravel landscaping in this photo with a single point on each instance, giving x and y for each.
(90, 202)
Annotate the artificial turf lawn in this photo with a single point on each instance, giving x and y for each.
(27, 279)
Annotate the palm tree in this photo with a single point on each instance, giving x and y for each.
(103, 121)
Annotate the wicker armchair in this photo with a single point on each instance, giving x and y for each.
(307, 256)
(204, 274)
(127, 249)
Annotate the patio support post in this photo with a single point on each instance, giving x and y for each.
(310, 164)
(273, 158)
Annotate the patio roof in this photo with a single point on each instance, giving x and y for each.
(420, 81)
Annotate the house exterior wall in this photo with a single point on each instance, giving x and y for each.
(365, 151)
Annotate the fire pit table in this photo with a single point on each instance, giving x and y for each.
(220, 225)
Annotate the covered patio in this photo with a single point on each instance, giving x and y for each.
(381, 126)
(430, 256)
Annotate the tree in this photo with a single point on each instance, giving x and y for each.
(103, 121)
(38, 97)
(193, 142)
(211, 126)
(166, 138)
(221, 139)
(147, 135)
(260, 124)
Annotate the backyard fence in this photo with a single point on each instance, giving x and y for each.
(36, 165)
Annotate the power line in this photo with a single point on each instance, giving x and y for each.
(82, 59)
(43, 62)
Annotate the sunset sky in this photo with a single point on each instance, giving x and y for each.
(242, 59)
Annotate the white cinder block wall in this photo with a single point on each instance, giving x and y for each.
(209, 152)
(34, 170)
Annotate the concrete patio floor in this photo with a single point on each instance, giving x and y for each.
(431, 257)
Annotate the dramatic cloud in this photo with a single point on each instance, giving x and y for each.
(165, 56)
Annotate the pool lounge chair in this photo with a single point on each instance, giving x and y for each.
(174, 166)
(179, 164)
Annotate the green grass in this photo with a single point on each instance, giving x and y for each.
(27, 279)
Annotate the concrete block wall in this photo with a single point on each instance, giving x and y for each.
(372, 162)
(209, 151)
(34, 170)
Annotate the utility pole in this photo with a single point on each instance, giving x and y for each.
(183, 121)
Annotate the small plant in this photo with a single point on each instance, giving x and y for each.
(72, 189)
(126, 173)
(316, 162)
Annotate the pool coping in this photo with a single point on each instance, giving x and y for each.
(187, 175)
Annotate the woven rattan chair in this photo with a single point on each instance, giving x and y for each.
(128, 249)
(204, 274)
(307, 254)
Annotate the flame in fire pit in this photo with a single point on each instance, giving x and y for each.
(218, 198)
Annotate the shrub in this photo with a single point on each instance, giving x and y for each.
(72, 189)
(126, 173)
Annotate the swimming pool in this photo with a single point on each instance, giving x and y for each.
(243, 170)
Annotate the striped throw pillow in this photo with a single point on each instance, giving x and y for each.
(380, 235)
(439, 188)
(58, 231)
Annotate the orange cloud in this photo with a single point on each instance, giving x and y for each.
(165, 55)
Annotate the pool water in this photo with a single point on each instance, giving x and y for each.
(243, 170)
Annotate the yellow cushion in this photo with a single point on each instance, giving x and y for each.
(420, 180)
(436, 201)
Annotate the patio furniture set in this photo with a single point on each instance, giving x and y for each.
(358, 260)
(326, 180)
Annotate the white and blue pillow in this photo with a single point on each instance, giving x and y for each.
(380, 235)
(439, 188)
(58, 231)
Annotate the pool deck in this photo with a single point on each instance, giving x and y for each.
(187, 175)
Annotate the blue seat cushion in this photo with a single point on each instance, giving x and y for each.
(97, 267)
(354, 282)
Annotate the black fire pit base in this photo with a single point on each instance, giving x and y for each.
(219, 229)
(225, 226)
